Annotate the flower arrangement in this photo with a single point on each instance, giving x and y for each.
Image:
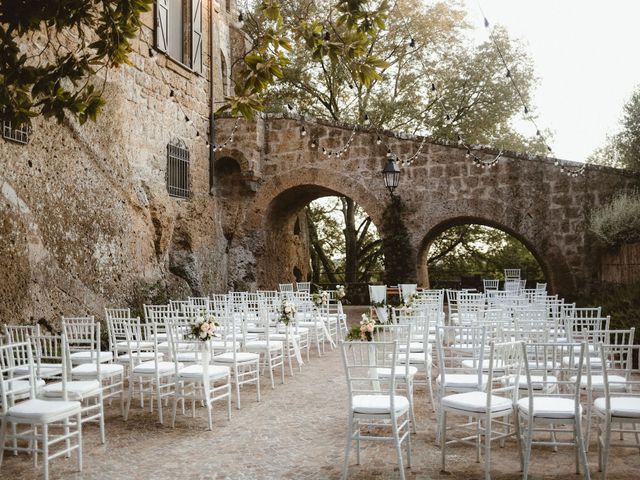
(340, 292)
(409, 301)
(204, 328)
(381, 303)
(320, 298)
(364, 331)
(287, 312)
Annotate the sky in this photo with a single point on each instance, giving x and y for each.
(586, 55)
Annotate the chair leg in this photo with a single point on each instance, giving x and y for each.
(174, 409)
(128, 404)
(516, 420)
(527, 448)
(487, 448)
(396, 438)
(159, 400)
(605, 448)
(282, 366)
(347, 448)
(258, 381)
(79, 425)
(235, 373)
(582, 451)
(409, 451)
(101, 410)
(67, 442)
(443, 437)
(45, 450)
(412, 416)
(3, 432)
(273, 385)
(429, 381)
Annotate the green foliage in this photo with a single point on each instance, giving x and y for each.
(70, 42)
(398, 254)
(469, 250)
(470, 81)
(623, 148)
(621, 302)
(343, 37)
(618, 222)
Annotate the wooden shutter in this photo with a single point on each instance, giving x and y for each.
(162, 25)
(196, 35)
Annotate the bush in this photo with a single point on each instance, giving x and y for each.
(618, 222)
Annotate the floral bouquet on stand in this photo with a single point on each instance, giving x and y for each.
(364, 331)
(321, 298)
(287, 312)
(340, 292)
(204, 328)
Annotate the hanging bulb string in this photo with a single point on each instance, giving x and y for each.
(172, 92)
(450, 119)
(220, 146)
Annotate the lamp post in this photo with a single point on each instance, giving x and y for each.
(391, 174)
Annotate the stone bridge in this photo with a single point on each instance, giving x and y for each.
(271, 171)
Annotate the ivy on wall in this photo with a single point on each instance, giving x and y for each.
(399, 257)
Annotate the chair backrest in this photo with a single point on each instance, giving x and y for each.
(512, 285)
(14, 357)
(21, 333)
(504, 369)
(406, 289)
(621, 372)
(48, 349)
(511, 274)
(81, 334)
(554, 369)
(285, 287)
(490, 284)
(117, 313)
(454, 344)
(361, 361)
(303, 287)
(587, 329)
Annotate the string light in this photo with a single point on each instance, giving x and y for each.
(230, 138)
(303, 131)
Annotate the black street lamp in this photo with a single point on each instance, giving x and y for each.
(391, 174)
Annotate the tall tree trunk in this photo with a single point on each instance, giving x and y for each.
(351, 240)
(319, 257)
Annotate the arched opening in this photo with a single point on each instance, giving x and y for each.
(228, 176)
(462, 252)
(323, 236)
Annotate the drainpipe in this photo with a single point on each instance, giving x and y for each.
(212, 125)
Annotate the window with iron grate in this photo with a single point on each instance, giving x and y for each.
(178, 174)
(17, 134)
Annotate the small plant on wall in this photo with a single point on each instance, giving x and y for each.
(618, 222)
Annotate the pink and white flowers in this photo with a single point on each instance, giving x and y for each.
(204, 328)
(287, 312)
(367, 326)
(340, 292)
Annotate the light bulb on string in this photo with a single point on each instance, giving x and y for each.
(433, 87)
(241, 18)
(313, 143)
(172, 93)
(378, 140)
(412, 43)
(303, 131)
(486, 22)
(508, 73)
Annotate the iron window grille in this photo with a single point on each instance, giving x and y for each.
(178, 172)
(17, 135)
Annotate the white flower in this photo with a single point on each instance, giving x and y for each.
(203, 335)
(287, 309)
(204, 327)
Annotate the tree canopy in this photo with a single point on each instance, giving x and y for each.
(69, 42)
(430, 78)
(623, 148)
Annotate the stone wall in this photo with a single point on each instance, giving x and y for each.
(527, 197)
(621, 265)
(85, 217)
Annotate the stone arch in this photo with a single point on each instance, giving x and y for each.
(543, 259)
(280, 200)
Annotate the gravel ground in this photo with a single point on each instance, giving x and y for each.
(296, 432)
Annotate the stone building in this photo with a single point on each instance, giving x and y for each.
(93, 216)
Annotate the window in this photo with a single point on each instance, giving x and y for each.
(17, 134)
(178, 177)
(179, 31)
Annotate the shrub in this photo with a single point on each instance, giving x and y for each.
(618, 222)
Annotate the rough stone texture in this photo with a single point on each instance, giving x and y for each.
(85, 217)
(527, 197)
(297, 432)
(621, 265)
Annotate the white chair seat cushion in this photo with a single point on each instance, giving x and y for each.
(310, 325)
(595, 362)
(196, 371)
(538, 382)
(142, 344)
(462, 380)
(147, 368)
(476, 402)
(400, 372)
(47, 370)
(471, 364)
(261, 345)
(617, 383)
(628, 407)
(549, 407)
(189, 357)
(240, 357)
(379, 404)
(43, 410)
(76, 390)
(91, 370)
(88, 357)
(415, 358)
(21, 387)
(141, 356)
(415, 347)
(283, 336)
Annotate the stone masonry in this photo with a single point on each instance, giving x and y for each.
(86, 221)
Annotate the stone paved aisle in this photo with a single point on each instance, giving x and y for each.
(296, 432)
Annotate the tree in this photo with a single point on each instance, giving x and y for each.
(422, 47)
(345, 246)
(72, 43)
(622, 149)
(399, 257)
(469, 250)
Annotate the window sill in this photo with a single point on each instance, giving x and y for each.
(179, 67)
